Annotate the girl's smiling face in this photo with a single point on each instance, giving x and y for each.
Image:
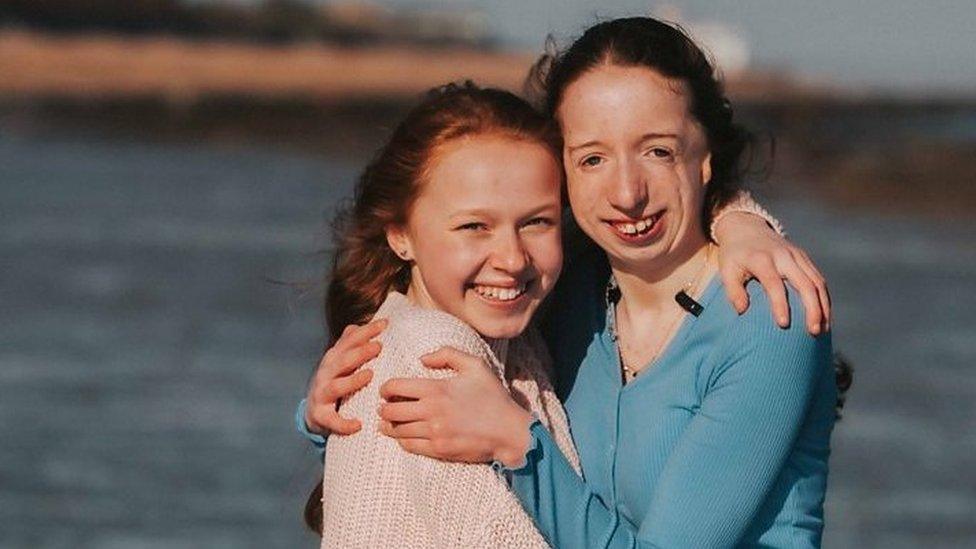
(637, 162)
(483, 235)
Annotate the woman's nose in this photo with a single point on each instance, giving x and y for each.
(628, 190)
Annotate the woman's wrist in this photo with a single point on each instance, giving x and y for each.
(515, 438)
(743, 211)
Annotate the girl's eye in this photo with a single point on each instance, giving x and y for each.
(473, 226)
(539, 222)
(591, 161)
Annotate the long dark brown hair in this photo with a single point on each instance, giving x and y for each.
(364, 268)
(667, 49)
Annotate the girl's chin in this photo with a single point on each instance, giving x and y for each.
(499, 328)
(498, 332)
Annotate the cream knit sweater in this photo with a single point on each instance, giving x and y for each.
(378, 495)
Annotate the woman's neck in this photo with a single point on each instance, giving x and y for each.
(650, 288)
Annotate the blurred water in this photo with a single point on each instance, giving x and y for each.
(148, 369)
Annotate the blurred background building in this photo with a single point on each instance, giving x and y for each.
(168, 169)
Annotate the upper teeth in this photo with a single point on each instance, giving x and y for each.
(499, 293)
(634, 228)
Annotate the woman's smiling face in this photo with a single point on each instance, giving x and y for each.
(636, 162)
(484, 234)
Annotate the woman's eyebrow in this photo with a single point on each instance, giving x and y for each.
(590, 143)
(659, 135)
(647, 136)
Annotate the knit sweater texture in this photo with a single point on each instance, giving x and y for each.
(378, 495)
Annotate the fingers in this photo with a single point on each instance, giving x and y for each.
(418, 446)
(345, 426)
(414, 429)
(403, 411)
(355, 357)
(449, 357)
(324, 419)
(734, 279)
(819, 281)
(765, 272)
(410, 388)
(355, 336)
(808, 294)
(343, 387)
(357, 340)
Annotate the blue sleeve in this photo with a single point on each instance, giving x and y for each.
(759, 386)
(316, 439)
(567, 513)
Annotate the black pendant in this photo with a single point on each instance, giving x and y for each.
(689, 304)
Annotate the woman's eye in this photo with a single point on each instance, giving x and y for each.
(473, 226)
(591, 161)
(661, 152)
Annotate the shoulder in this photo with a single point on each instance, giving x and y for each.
(755, 339)
(415, 331)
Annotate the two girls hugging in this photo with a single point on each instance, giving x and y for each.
(504, 374)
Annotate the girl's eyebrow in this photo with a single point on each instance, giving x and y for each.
(472, 212)
(542, 208)
(483, 213)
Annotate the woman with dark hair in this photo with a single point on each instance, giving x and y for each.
(696, 426)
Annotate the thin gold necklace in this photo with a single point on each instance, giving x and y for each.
(630, 372)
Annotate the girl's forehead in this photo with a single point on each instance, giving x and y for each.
(490, 172)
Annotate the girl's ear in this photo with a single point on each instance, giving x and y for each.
(706, 169)
(399, 242)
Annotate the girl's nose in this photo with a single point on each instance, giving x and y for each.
(509, 254)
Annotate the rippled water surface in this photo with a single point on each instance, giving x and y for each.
(149, 365)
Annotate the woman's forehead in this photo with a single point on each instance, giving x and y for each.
(611, 100)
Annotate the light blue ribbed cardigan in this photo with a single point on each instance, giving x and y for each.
(722, 442)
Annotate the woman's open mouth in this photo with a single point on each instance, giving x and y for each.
(639, 231)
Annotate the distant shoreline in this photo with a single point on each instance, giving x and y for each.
(873, 152)
(183, 71)
(45, 66)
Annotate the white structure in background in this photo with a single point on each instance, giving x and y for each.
(729, 50)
